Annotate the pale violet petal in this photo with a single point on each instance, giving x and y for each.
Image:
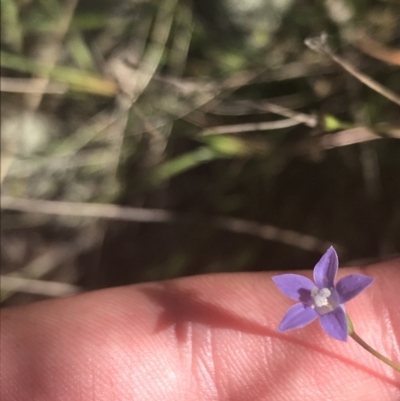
(299, 315)
(295, 286)
(335, 324)
(325, 270)
(350, 286)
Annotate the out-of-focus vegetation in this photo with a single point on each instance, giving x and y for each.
(239, 147)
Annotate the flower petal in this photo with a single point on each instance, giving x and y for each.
(299, 315)
(295, 286)
(335, 324)
(325, 270)
(350, 286)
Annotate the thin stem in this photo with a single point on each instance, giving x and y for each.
(320, 44)
(363, 344)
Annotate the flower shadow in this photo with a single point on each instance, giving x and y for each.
(180, 308)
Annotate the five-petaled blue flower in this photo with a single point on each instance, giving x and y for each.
(322, 299)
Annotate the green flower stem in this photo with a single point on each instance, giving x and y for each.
(363, 344)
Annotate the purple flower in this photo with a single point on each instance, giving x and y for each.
(322, 299)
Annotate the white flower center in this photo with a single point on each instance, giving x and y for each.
(320, 297)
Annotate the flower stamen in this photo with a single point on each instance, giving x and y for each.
(320, 297)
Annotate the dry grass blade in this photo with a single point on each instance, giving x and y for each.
(9, 284)
(47, 263)
(268, 232)
(378, 51)
(262, 126)
(50, 50)
(348, 137)
(320, 44)
(32, 85)
(271, 233)
(309, 120)
(48, 54)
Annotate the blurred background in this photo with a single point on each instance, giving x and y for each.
(152, 139)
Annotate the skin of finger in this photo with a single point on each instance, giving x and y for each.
(209, 337)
